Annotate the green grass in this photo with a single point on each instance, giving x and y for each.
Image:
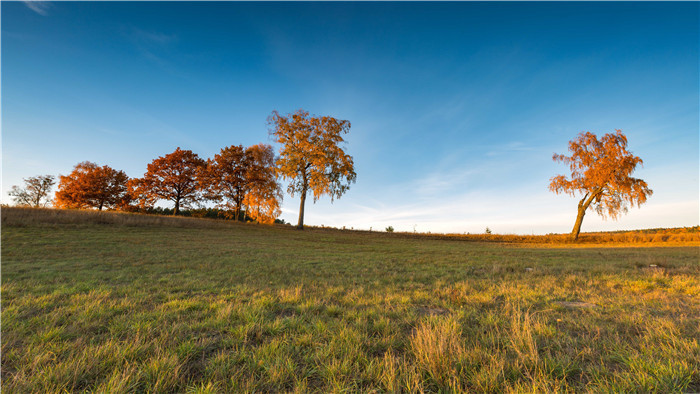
(231, 307)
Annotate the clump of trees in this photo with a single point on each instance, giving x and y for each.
(601, 170)
(239, 177)
(242, 182)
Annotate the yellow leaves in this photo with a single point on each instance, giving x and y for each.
(311, 156)
(261, 208)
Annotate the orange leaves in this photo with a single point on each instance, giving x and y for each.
(172, 177)
(92, 186)
(238, 177)
(602, 171)
(311, 156)
(265, 194)
(223, 179)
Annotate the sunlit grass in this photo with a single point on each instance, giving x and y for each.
(117, 305)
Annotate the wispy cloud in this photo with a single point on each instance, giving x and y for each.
(157, 47)
(40, 7)
(151, 37)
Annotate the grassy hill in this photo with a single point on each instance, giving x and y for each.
(114, 302)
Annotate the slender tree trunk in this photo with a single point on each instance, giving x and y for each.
(177, 206)
(101, 204)
(579, 219)
(300, 225)
(582, 207)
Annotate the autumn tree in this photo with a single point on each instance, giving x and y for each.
(311, 156)
(241, 177)
(91, 186)
(223, 179)
(264, 194)
(35, 192)
(173, 177)
(601, 171)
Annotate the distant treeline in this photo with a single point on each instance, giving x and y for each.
(659, 235)
(207, 213)
(241, 182)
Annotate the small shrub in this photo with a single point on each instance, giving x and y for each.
(390, 229)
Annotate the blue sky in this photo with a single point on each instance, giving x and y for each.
(456, 108)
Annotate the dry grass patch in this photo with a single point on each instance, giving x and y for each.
(438, 348)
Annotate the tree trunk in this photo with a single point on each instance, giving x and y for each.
(239, 202)
(300, 225)
(579, 219)
(177, 206)
(101, 204)
(582, 206)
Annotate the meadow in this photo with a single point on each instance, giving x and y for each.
(111, 302)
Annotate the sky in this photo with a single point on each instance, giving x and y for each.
(456, 108)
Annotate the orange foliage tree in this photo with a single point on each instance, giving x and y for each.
(92, 186)
(172, 177)
(223, 179)
(240, 177)
(311, 156)
(35, 193)
(264, 193)
(601, 170)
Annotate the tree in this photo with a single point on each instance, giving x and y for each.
(173, 177)
(601, 170)
(92, 186)
(240, 177)
(264, 192)
(311, 156)
(35, 192)
(223, 179)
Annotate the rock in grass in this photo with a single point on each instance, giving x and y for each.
(431, 310)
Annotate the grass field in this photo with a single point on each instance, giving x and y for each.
(189, 305)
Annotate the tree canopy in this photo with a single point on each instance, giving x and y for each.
(92, 186)
(172, 177)
(240, 177)
(224, 178)
(601, 170)
(311, 157)
(264, 195)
